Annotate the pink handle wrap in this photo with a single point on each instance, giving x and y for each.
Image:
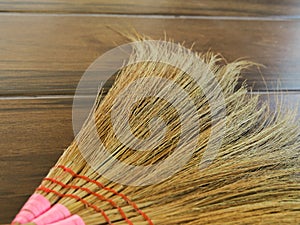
(73, 220)
(56, 213)
(36, 205)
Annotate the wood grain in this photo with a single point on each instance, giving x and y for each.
(47, 55)
(33, 134)
(169, 7)
(45, 47)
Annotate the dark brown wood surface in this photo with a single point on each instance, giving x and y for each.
(44, 51)
(154, 7)
(33, 134)
(47, 55)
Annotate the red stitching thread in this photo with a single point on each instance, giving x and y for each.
(101, 197)
(110, 190)
(47, 190)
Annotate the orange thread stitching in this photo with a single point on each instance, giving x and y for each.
(110, 190)
(101, 197)
(47, 190)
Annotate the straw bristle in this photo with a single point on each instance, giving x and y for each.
(252, 180)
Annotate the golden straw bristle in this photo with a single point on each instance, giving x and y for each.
(254, 178)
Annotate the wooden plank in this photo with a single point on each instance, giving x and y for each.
(33, 133)
(169, 7)
(46, 54)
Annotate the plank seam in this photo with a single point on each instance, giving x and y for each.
(154, 16)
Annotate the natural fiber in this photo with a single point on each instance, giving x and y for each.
(254, 178)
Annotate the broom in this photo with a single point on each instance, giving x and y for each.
(174, 152)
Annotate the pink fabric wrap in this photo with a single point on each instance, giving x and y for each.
(36, 205)
(73, 220)
(56, 213)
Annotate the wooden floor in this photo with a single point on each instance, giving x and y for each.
(45, 46)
